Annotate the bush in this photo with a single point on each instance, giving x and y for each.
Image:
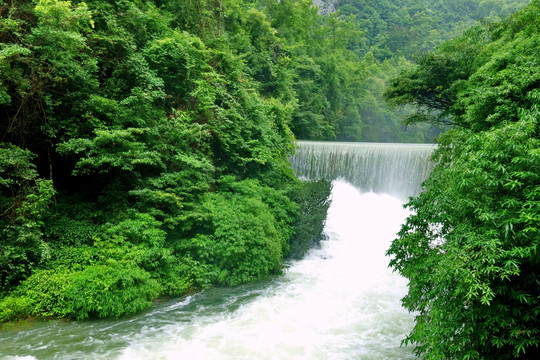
(239, 242)
(97, 291)
(42, 294)
(313, 200)
(111, 291)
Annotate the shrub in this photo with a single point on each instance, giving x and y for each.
(313, 200)
(110, 291)
(239, 242)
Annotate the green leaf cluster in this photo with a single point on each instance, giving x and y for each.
(470, 249)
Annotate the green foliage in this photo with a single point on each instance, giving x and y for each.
(327, 94)
(110, 149)
(145, 143)
(22, 246)
(24, 198)
(42, 294)
(313, 199)
(16, 168)
(437, 78)
(470, 250)
(337, 80)
(504, 86)
(179, 61)
(97, 291)
(246, 232)
(111, 291)
(438, 85)
(395, 32)
(145, 152)
(408, 27)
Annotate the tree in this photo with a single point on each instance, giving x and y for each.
(144, 153)
(433, 84)
(470, 249)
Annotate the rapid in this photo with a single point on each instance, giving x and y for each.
(341, 301)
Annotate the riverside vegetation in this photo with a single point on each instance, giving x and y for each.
(144, 152)
(471, 249)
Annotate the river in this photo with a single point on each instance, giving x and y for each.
(341, 301)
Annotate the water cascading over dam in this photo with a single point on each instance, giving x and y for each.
(394, 169)
(341, 301)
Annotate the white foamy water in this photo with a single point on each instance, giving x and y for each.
(397, 169)
(340, 302)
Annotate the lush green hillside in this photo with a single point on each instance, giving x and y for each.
(470, 251)
(399, 31)
(143, 153)
(341, 62)
(407, 27)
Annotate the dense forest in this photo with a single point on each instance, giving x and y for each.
(144, 152)
(392, 35)
(408, 27)
(471, 249)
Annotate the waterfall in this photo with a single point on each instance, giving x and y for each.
(394, 169)
(341, 301)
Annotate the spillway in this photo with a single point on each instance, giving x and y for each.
(395, 169)
(339, 302)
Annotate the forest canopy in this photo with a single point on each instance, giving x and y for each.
(144, 153)
(385, 37)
